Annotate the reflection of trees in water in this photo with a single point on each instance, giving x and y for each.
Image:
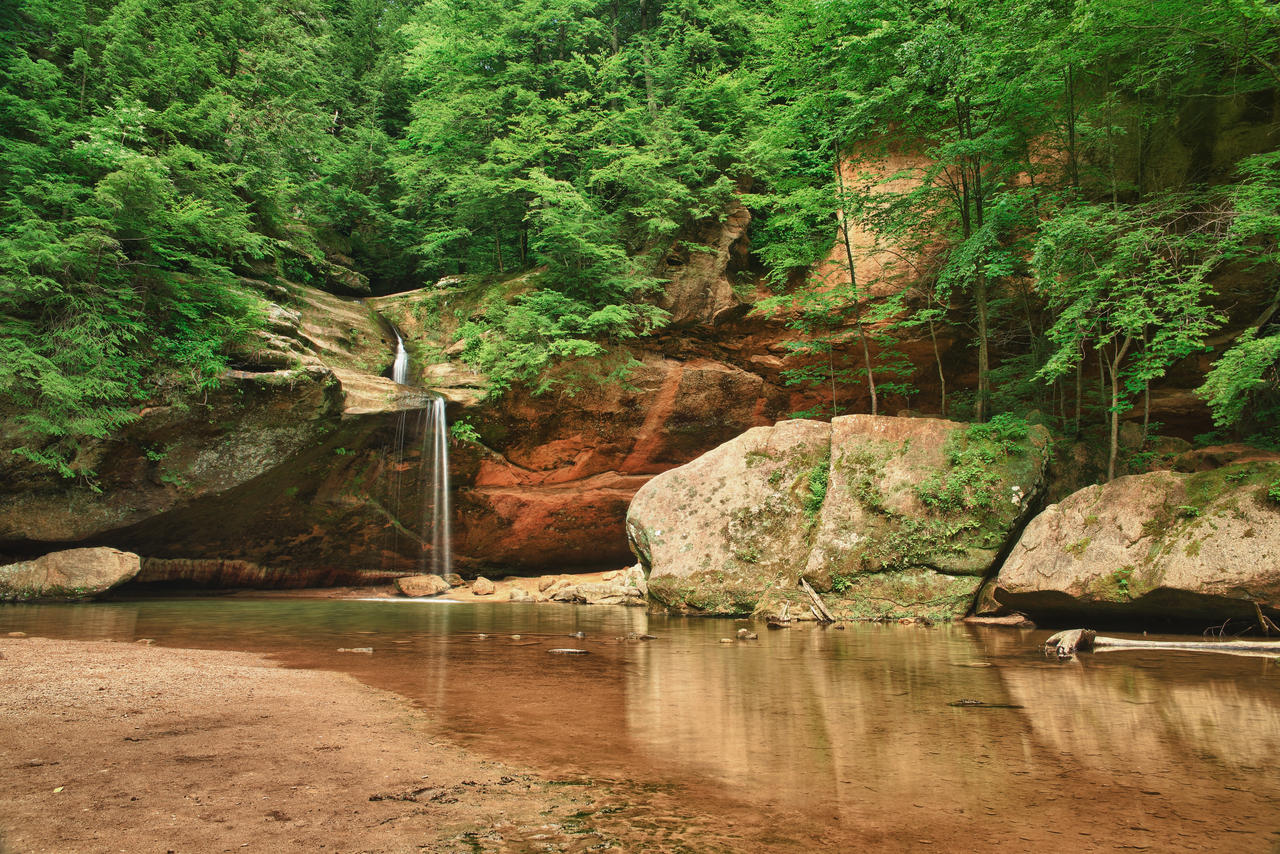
(854, 719)
(1163, 712)
(859, 721)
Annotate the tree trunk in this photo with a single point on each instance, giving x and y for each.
(1079, 390)
(853, 283)
(942, 376)
(1115, 409)
(984, 364)
(1073, 162)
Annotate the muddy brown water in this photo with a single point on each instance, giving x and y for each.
(950, 738)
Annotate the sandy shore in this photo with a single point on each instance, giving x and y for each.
(110, 747)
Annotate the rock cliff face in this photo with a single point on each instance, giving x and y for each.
(895, 517)
(237, 484)
(288, 474)
(1165, 544)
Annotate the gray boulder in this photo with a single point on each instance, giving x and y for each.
(894, 517)
(1202, 546)
(68, 575)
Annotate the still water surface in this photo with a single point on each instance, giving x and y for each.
(808, 737)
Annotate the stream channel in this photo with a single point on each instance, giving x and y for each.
(806, 738)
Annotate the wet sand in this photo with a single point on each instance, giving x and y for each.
(111, 747)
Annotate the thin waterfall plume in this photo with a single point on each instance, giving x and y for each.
(400, 367)
(435, 531)
(437, 435)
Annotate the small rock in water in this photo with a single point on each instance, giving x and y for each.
(17, 634)
(840, 626)
(577, 634)
(726, 640)
(566, 651)
(145, 641)
(367, 650)
(482, 587)
(418, 586)
(515, 637)
(747, 634)
(482, 636)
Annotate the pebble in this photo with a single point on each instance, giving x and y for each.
(726, 640)
(747, 634)
(367, 650)
(17, 634)
(578, 635)
(567, 651)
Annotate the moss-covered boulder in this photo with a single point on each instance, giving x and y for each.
(893, 517)
(67, 575)
(1165, 544)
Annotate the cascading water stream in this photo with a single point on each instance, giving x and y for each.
(400, 367)
(435, 532)
(437, 435)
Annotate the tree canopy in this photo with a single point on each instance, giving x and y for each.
(1052, 184)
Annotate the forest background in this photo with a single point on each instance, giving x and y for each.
(1067, 208)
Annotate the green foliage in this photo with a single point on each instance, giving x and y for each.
(817, 493)
(522, 340)
(463, 430)
(1273, 492)
(974, 462)
(151, 152)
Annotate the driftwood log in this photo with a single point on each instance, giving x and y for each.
(1015, 621)
(819, 607)
(1066, 644)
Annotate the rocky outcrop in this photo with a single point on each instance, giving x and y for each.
(699, 289)
(220, 482)
(67, 575)
(1165, 544)
(223, 573)
(893, 516)
(624, 587)
(555, 486)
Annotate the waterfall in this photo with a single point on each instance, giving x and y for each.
(437, 435)
(400, 367)
(435, 531)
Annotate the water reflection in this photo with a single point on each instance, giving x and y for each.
(807, 736)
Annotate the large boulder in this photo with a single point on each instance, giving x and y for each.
(894, 517)
(67, 575)
(1199, 546)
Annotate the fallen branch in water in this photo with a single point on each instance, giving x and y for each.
(819, 608)
(1067, 644)
(1016, 621)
